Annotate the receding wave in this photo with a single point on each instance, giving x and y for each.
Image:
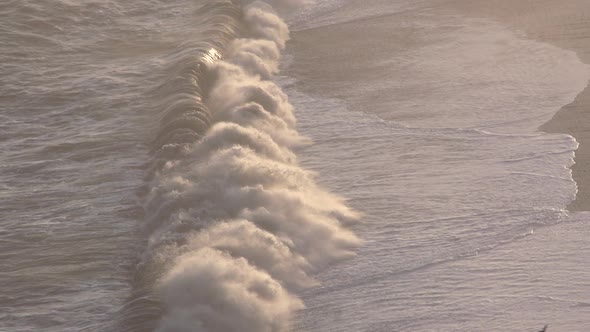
(235, 227)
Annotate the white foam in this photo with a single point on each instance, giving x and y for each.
(238, 225)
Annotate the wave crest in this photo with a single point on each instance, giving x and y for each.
(235, 225)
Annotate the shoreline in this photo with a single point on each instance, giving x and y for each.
(565, 25)
(574, 119)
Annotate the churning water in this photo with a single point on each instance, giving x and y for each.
(158, 174)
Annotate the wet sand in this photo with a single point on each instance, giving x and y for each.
(566, 24)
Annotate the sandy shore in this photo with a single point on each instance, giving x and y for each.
(564, 23)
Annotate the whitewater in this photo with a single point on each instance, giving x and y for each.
(284, 165)
(232, 227)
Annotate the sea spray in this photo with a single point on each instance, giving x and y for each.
(236, 226)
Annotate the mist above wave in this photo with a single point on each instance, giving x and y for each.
(237, 227)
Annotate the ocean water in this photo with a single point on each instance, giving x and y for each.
(429, 127)
(179, 166)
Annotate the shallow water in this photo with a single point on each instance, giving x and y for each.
(433, 135)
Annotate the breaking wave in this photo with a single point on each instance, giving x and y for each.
(235, 227)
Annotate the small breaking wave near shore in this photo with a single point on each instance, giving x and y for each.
(235, 227)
